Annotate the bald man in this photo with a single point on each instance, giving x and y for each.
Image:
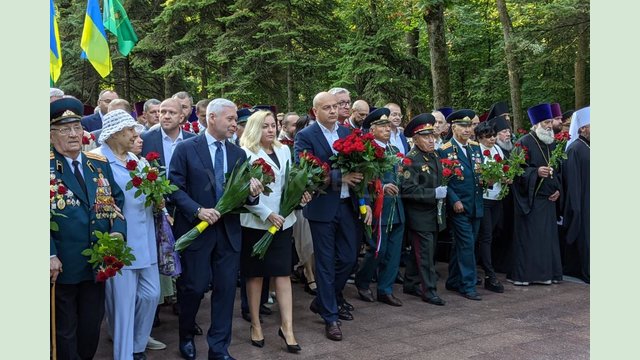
(359, 111)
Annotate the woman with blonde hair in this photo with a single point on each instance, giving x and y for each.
(259, 140)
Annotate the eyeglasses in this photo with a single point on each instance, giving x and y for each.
(344, 103)
(67, 130)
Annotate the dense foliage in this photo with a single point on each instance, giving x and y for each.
(283, 52)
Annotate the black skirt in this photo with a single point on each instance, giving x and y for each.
(277, 260)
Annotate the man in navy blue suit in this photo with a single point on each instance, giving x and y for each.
(94, 121)
(332, 216)
(198, 167)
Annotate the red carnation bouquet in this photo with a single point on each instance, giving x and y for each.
(450, 167)
(109, 254)
(289, 143)
(512, 167)
(150, 181)
(236, 192)
(308, 176)
(520, 133)
(360, 153)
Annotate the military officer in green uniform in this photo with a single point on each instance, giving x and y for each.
(464, 200)
(422, 190)
(84, 198)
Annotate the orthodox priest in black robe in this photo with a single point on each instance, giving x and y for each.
(576, 184)
(536, 250)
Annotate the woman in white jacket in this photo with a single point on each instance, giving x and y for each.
(259, 140)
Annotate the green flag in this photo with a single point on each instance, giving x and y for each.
(115, 20)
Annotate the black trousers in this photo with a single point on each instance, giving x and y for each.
(79, 313)
(491, 222)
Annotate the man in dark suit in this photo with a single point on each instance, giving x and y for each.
(464, 203)
(332, 216)
(76, 180)
(94, 121)
(397, 138)
(198, 168)
(423, 196)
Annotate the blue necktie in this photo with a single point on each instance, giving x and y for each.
(218, 162)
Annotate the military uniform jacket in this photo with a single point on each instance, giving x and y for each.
(79, 220)
(467, 190)
(417, 186)
(389, 204)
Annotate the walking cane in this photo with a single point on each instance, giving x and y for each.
(53, 322)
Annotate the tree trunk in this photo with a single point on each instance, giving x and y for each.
(512, 65)
(581, 83)
(434, 17)
(411, 39)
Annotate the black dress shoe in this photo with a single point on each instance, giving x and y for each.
(450, 288)
(366, 295)
(332, 331)
(139, 356)
(399, 278)
(264, 310)
(187, 349)
(344, 314)
(414, 292)
(347, 306)
(389, 299)
(309, 290)
(472, 296)
(292, 348)
(197, 330)
(256, 343)
(435, 300)
(492, 284)
(314, 307)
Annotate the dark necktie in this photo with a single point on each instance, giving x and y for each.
(78, 175)
(218, 163)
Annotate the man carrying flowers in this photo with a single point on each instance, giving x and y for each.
(333, 215)
(198, 168)
(85, 206)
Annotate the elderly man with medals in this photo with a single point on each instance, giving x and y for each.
(421, 188)
(84, 198)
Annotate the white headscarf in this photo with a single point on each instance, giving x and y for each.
(115, 121)
(579, 119)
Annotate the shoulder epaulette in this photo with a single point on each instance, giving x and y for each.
(471, 142)
(446, 145)
(95, 156)
(413, 152)
(51, 155)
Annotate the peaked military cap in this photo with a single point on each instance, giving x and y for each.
(462, 116)
(446, 111)
(65, 110)
(420, 124)
(243, 114)
(378, 117)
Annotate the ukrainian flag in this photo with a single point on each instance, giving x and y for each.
(55, 53)
(94, 40)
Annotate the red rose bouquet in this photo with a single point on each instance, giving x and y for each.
(150, 180)
(360, 153)
(512, 167)
(193, 127)
(308, 176)
(491, 170)
(236, 192)
(520, 133)
(109, 254)
(450, 167)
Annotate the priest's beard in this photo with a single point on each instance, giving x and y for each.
(546, 136)
(505, 145)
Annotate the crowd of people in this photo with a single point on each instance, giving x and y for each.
(536, 234)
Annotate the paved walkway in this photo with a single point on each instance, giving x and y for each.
(535, 322)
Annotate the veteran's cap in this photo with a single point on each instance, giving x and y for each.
(462, 116)
(378, 117)
(243, 115)
(420, 124)
(65, 110)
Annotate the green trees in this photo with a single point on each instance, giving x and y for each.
(420, 54)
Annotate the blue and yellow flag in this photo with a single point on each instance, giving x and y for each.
(94, 40)
(55, 52)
